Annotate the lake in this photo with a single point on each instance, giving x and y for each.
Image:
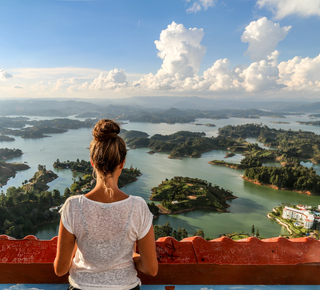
(250, 208)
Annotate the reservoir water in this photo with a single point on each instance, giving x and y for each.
(250, 208)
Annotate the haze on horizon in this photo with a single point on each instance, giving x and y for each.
(259, 49)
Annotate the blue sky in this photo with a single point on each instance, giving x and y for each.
(268, 49)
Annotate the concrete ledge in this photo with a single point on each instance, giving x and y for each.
(193, 261)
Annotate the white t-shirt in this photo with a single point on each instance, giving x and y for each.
(105, 235)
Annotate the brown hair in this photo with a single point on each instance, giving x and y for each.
(107, 149)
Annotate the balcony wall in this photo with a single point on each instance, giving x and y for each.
(193, 261)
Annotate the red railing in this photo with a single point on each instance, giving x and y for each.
(193, 261)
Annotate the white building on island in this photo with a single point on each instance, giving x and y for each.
(303, 216)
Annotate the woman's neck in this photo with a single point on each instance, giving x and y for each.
(108, 192)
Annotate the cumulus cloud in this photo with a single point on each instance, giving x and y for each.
(283, 8)
(115, 78)
(263, 37)
(181, 51)
(262, 75)
(217, 78)
(199, 5)
(301, 73)
(4, 75)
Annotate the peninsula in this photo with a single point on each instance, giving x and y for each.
(8, 170)
(181, 194)
(300, 179)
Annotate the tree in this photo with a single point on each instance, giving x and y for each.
(67, 192)
(56, 194)
(199, 233)
(252, 230)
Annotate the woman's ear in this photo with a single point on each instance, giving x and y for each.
(122, 164)
(91, 163)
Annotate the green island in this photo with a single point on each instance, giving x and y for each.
(5, 138)
(181, 194)
(301, 145)
(8, 170)
(86, 182)
(179, 144)
(208, 124)
(39, 129)
(227, 164)
(300, 178)
(25, 208)
(296, 226)
(6, 153)
(310, 123)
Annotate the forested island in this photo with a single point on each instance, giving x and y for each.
(5, 138)
(179, 144)
(300, 178)
(301, 145)
(127, 175)
(8, 170)
(6, 153)
(310, 123)
(24, 208)
(26, 128)
(181, 194)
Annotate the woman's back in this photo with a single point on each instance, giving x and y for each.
(105, 234)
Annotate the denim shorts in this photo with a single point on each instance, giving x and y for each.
(72, 288)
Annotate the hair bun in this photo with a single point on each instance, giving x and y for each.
(105, 129)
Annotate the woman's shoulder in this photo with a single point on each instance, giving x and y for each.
(139, 202)
(73, 199)
(137, 198)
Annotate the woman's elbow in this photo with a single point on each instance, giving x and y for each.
(59, 270)
(153, 271)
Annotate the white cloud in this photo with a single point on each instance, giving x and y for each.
(4, 75)
(262, 75)
(283, 8)
(301, 73)
(217, 78)
(263, 37)
(180, 50)
(199, 5)
(113, 79)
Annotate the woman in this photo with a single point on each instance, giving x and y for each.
(98, 230)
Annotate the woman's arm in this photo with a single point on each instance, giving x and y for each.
(146, 260)
(65, 251)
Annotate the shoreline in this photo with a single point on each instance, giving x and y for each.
(164, 211)
(281, 223)
(307, 192)
(226, 164)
